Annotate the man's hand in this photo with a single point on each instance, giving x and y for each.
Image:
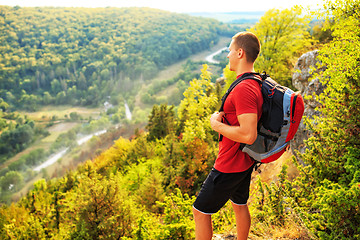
(215, 119)
(246, 132)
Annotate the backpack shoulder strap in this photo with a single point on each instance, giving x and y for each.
(250, 75)
(245, 76)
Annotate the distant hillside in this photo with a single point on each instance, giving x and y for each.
(232, 17)
(80, 56)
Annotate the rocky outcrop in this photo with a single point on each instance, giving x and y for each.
(305, 68)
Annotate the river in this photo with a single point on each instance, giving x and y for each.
(53, 158)
(211, 59)
(127, 111)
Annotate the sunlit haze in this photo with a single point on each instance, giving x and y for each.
(174, 6)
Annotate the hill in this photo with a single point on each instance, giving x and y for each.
(232, 17)
(144, 188)
(58, 61)
(80, 56)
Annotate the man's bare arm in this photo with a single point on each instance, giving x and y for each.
(245, 133)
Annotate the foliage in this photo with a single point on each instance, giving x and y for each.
(15, 140)
(195, 109)
(12, 181)
(144, 188)
(198, 159)
(332, 156)
(161, 122)
(17, 133)
(131, 190)
(178, 222)
(82, 55)
(150, 96)
(98, 208)
(269, 205)
(283, 35)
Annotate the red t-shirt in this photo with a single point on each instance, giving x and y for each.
(244, 98)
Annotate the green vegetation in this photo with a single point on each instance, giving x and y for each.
(181, 81)
(283, 43)
(80, 56)
(74, 56)
(325, 196)
(333, 169)
(110, 195)
(144, 188)
(17, 134)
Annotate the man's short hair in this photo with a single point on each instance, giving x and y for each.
(249, 43)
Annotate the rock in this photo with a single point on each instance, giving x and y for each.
(305, 68)
(223, 237)
(221, 81)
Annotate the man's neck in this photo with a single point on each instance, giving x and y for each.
(245, 68)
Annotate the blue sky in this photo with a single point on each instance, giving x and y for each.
(175, 6)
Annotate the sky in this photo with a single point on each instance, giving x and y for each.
(180, 6)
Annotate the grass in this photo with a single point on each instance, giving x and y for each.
(174, 69)
(58, 129)
(46, 113)
(44, 116)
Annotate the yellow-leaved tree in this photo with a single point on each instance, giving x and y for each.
(283, 35)
(195, 109)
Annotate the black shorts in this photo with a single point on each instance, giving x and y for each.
(219, 187)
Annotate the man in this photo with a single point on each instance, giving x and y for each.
(231, 174)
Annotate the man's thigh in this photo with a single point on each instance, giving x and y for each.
(219, 187)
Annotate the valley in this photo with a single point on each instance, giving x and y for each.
(57, 121)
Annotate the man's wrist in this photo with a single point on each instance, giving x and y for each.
(216, 126)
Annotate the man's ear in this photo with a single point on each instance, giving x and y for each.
(240, 53)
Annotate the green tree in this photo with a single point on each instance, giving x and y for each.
(283, 35)
(47, 98)
(74, 116)
(15, 140)
(45, 52)
(329, 195)
(99, 209)
(178, 222)
(195, 109)
(3, 105)
(12, 181)
(161, 122)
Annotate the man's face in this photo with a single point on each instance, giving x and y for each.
(233, 56)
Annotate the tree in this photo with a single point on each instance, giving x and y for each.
(161, 122)
(330, 181)
(99, 209)
(45, 52)
(12, 181)
(74, 116)
(15, 140)
(283, 36)
(195, 109)
(3, 105)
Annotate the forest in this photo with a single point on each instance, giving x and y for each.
(144, 187)
(80, 56)
(85, 57)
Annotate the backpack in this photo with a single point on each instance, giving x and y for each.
(280, 119)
